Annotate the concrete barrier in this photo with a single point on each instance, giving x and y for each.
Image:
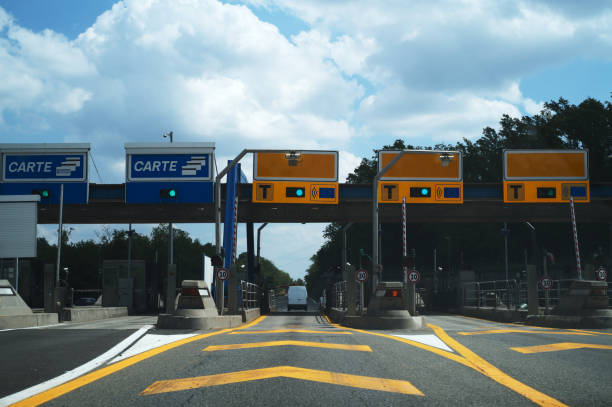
(170, 321)
(391, 320)
(15, 313)
(27, 320)
(250, 314)
(84, 314)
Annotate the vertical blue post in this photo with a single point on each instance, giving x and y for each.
(233, 178)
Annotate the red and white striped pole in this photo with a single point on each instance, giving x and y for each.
(578, 267)
(404, 248)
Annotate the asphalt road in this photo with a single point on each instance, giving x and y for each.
(298, 358)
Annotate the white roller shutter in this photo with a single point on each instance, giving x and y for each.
(18, 218)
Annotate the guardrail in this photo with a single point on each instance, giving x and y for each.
(249, 295)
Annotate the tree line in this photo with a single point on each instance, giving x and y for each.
(560, 125)
(84, 259)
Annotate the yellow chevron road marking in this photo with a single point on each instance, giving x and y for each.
(62, 389)
(591, 332)
(321, 376)
(283, 331)
(473, 361)
(251, 345)
(555, 347)
(487, 369)
(523, 331)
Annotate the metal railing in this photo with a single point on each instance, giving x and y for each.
(512, 294)
(340, 294)
(249, 295)
(498, 293)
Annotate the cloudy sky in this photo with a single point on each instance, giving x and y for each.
(302, 74)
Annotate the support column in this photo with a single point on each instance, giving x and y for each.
(171, 289)
(250, 254)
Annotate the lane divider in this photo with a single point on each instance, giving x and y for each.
(62, 389)
(469, 359)
(321, 376)
(70, 375)
(251, 345)
(555, 347)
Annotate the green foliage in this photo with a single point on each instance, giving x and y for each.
(270, 276)
(84, 258)
(559, 125)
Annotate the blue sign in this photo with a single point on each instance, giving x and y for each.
(74, 192)
(155, 192)
(44, 167)
(156, 167)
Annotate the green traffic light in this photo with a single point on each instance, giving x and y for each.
(172, 193)
(44, 193)
(424, 191)
(299, 192)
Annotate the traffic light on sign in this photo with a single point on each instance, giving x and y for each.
(43, 193)
(548, 192)
(295, 192)
(420, 192)
(168, 193)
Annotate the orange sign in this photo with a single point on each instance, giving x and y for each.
(420, 192)
(300, 192)
(545, 191)
(298, 165)
(422, 165)
(545, 165)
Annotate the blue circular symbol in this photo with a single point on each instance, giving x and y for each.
(424, 191)
(299, 192)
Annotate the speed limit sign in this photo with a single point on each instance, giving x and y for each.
(361, 275)
(414, 276)
(602, 274)
(223, 274)
(546, 282)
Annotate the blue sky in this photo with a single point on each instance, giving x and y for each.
(317, 74)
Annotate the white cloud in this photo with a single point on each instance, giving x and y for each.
(363, 73)
(348, 163)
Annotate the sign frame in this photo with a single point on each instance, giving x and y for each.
(546, 278)
(601, 272)
(166, 150)
(257, 177)
(46, 149)
(227, 275)
(506, 152)
(357, 272)
(422, 152)
(418, 275)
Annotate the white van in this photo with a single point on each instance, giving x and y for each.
(297, 297)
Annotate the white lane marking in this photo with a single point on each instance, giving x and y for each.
(29, 327)
(431, 340)
(74, 373)
(147, 342)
